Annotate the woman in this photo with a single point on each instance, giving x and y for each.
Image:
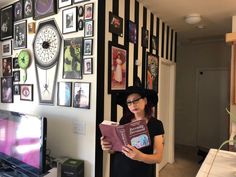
(133, 162)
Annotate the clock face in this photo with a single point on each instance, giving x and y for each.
(47, 44)
(24, 59)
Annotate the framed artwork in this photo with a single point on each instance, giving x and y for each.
(7, 66)
(16, 76)
(16, 89)
(7, 22)
(69, 20)
(88, 28)
(154, 42)
(6, 90)
(15, 64)
(73, 57)
(18, 10)
(20, 35)
(132, 32)
(117, 68)
(115, 24)
(88, 47)
(88, 66)
(88, 11)
(64, 3)
(81, 95)
(145, 34)
(26, 92)
(44, 8)
(64, 93)
(28, 8)
(6, 48)
(31, 27)
(78, 1)
(152, 71)
(81, 24)
(81, 11)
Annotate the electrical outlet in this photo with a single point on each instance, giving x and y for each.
(79, 127)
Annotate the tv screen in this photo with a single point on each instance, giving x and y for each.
(23, 142)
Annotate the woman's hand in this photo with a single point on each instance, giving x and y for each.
(106, 145)
(132, 152)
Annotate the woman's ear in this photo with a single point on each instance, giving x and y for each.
(145, 99)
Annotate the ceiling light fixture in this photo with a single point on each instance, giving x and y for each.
(193, 19)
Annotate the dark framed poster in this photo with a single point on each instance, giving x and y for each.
(20, 34)
(6, 90)
(28, 8)
(64, 93)
(44, 8)
(18, 10)
(115, 24)
(81, 95)
(7, 22)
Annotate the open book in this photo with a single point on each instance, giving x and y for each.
(134, 133)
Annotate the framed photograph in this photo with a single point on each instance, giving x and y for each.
(18, 10)
(69, 20)
(7, 22)
(20, 35)
(115, 24)
(15, 64)
(26, 92)
(81, 24)
(88, 28)
(16, 76)
(73, 57)
(16, 89)
(64, 93)
(44, 8)
(88, 66)
(6, 90)
(31, 27)
(88, 11)
(154, 42)
(145, 34)
(6, 48)
(132, 32)
(152, 71)
(81, 95)
(117, 68)
(81, 11)
(7, 66)
(64, 3)
(28, 8)
(88, 46)
(78, 1)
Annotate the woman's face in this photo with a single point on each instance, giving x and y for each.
(136, 103)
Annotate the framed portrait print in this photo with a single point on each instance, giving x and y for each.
(81, 95)
(44, 8)
(28, 8)
(6, 90)
(145, 34)
(88, 46)
(152, 71)
(26, 92)
(117, 68)
(15, 64)
(81, 11)
(88, 28)
(64, 3)
(64, 93)
(115, 24)
(154, 42)
(16, 76)
(18, 10)
(6, 48)
(7, 66)
(31, 27)
(73, 57)
(7, 22)
(16, 89)
(81, 24)
(69, 20)
(132, 32)
(88, 66)
(88, 11)
(20, 35)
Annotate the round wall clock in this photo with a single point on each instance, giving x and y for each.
(24, 61)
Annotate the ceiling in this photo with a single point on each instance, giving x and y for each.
(216, 16)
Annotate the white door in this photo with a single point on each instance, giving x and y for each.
(213, 98)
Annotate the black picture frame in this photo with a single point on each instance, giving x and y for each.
(117, 67)
(115, 24)
(15, 64)
(80, 11)
(81, 95)
(79, 1)
(88, 47)
(69, 20)
(88, 28)
(26, 92)
(6, 90)
(44, 8)
(132, 32)
(7, 66)
(145, 36)
(18, 10)
(64, 94)
(6, 48)
(28, 8)
(88, 66)
(81, 24)
(64, 3)
(73, 58)
(7, 19)
(88, 11)
(16, 76)
(20, 35)
(154, 42)
(16, 89)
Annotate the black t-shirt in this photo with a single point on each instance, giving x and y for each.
(123, 166)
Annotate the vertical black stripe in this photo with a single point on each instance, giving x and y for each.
(167, 42)
(144, 49)
(158, 36)
(136, 20)
(176, 46)
(162, 39)
(171, 44)
(100, 86)
(151, 32)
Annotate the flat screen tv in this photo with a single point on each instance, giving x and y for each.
(23, 142)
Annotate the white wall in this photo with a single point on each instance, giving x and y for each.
(208, 54)
(62, 121)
